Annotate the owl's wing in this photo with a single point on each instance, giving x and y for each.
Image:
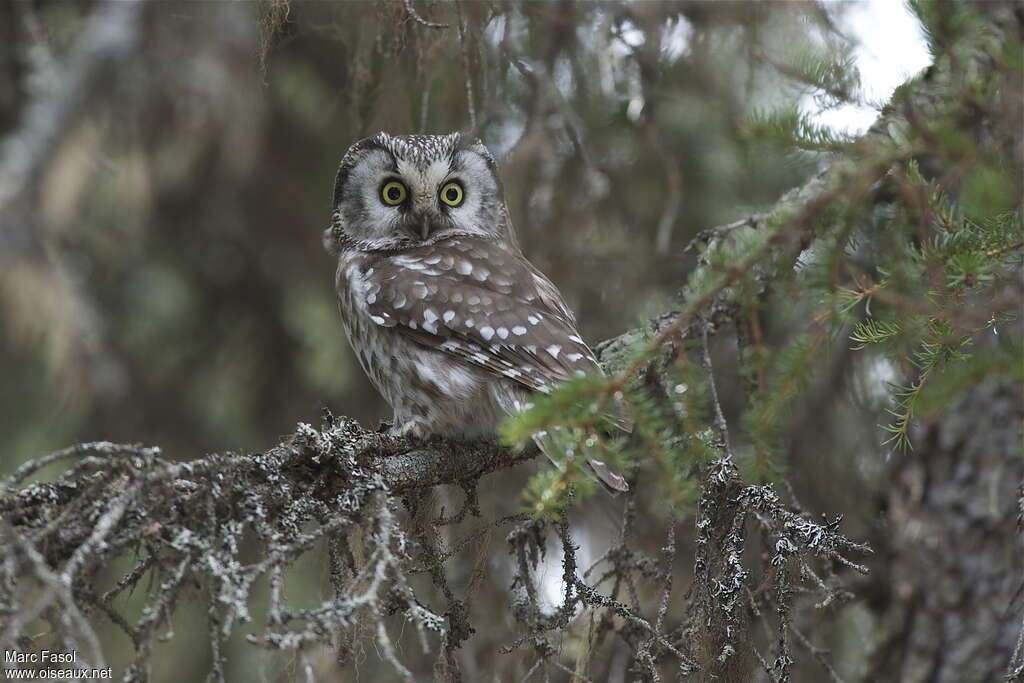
(489, 307)
(482, 303)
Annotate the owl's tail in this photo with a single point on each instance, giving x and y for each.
(557, 447)
(613, 480)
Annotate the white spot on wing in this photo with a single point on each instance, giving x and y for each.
(464, 267)
(448, 315)
(575, 338)
(502, 332)
(519, 330)
(429, 315)
(533, 319)
(487, 332)
(377, 319)
(554, 350)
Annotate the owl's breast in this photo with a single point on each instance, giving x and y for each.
(423, 384)
(370, 345)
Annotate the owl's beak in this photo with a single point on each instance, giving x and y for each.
(423, 223)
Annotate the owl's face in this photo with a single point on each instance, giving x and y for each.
(399, 192)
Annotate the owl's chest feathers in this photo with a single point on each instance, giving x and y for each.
(420, 384)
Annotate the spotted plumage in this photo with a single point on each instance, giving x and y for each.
(449, 320)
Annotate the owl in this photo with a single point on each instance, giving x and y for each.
(451, 323)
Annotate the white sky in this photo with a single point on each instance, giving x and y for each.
(891, 49)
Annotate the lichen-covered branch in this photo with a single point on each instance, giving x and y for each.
(338, 486)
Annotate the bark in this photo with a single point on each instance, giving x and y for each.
(948, 598)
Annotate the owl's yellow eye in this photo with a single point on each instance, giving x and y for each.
(451, 194)
(393, 193)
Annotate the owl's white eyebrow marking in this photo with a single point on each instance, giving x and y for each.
(554, 350)
(487, 332)
(519, 330)
(503, 332)
(448, 315)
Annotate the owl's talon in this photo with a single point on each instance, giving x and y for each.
(412, 430)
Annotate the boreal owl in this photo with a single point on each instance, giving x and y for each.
(449, 320)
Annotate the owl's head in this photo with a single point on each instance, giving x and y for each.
(395, 192)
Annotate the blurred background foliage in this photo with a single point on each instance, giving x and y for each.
(184, 207)
(163, 278)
